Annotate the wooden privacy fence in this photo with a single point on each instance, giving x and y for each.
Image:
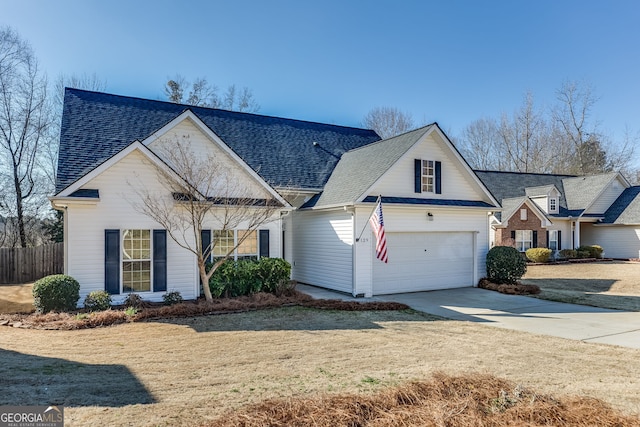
(22, 265)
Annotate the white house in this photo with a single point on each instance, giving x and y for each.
(325, 178)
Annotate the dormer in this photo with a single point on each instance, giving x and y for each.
(546, 197)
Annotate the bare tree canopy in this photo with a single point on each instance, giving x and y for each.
(562, 139)
(24, 121)
(203, 94)
(200, 191)
(388, 121)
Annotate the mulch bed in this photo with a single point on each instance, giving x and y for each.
(517, 289)
(259, 301)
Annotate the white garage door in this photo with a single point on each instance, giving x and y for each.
(424, 262)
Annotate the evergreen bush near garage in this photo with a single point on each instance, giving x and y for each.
(594, 251)
(540, 255)
(58, 292)
(568, 254)
(505, 265)
(272, 272)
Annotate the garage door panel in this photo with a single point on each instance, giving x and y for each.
(425, 261)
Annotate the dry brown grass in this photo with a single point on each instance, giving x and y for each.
(190, 371)
(608, 284)
(16, 298)
(444, 400)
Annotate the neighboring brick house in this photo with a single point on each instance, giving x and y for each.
(525, 227)
(565, 211)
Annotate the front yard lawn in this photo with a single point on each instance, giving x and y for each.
(183, 372)
(608, 284)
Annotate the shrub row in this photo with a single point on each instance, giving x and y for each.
(593, 251)
(246, 277)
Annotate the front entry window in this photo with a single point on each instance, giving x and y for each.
(136, 261)
(524, 240)
(553, 240)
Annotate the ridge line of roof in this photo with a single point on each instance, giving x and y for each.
(425, 127)
(187, 106)
(531, 173)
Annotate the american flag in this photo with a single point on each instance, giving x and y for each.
(377, 226)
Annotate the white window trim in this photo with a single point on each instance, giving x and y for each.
(123, 260)
(424, 177)
(553, 233)
(553, 204)
(235, 256)
(520, 244)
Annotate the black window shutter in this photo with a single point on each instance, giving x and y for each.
(418, 175)
(559, 240)
(438, 171)
(513, 235)
(159, 260)
(112, 261)
(206, 242)
(534, 244)
(548, 242)
(264, 243)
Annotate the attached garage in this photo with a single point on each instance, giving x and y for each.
(424, 261)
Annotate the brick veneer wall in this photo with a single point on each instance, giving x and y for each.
(503, 235)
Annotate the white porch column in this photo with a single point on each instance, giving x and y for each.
(576, 235)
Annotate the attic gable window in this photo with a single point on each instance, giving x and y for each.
(553, 204)
(427, 176)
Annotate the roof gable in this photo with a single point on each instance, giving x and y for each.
(626, 208)
(379, 167)
(581, 192)
(95, 126)
(512, 206)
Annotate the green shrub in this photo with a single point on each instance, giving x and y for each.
(582, 254)
(538, 254)
(272, 272)
(594, 251)
(505, 265)
(568, 254)
(245, 277)
(134, 300)
(171, 298)
(58, 292)
(97, 301)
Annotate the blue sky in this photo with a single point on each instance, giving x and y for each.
(332, 61)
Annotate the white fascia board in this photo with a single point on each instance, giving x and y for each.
(544, 219)
(189, 115)
(135, 145)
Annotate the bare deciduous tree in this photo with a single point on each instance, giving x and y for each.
(203, 94)
(388, 121)
(202, 191)
(561, 140)
(24, 121)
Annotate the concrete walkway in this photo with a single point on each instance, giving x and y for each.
(578, 322)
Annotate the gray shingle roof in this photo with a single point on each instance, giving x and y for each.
(359, 169)
(542, 190)
(626, 208)
(431, 202)
(510, 185)
(95, 126)
(581, 191)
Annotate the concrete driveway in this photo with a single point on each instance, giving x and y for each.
(578, 322)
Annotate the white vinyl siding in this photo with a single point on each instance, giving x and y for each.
(115, 210)
(322, 252)
(618, 241)
(457, 183)
(606, 199)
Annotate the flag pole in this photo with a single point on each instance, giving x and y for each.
(378, 200)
